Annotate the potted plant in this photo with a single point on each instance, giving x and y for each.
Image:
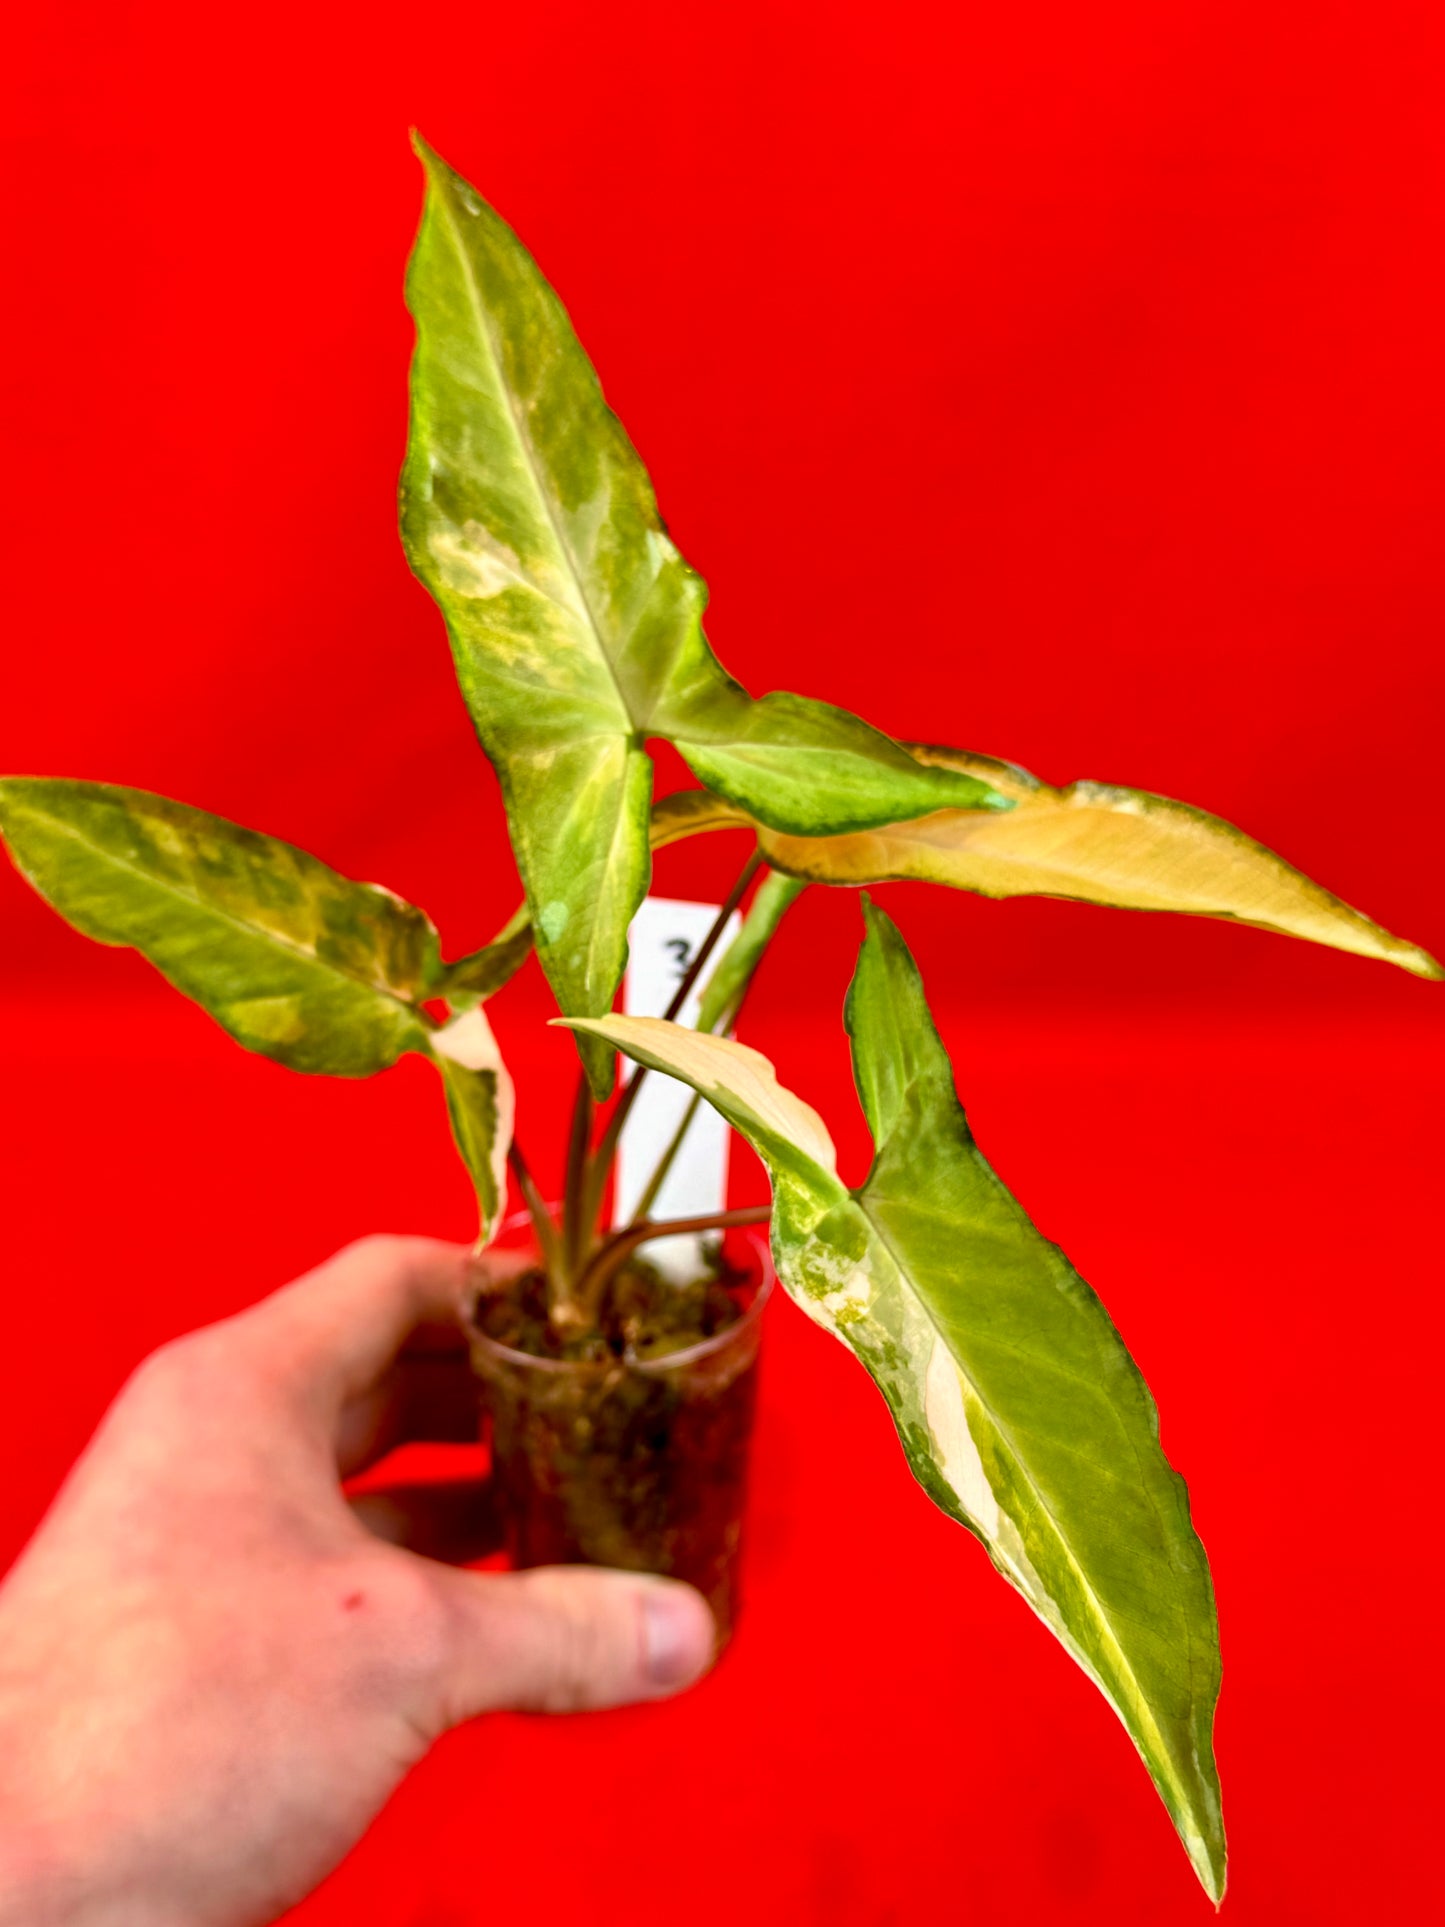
(621, 1398)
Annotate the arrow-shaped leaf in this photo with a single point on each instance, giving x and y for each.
(575, 623)
(1091, 842)
(1018, 1406)
(294, 960)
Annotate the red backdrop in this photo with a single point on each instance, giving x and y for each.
(1061, 382)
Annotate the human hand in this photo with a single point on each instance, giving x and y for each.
(212, 1674)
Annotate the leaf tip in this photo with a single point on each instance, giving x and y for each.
(1215, 1880)
(1207, 1851)
(441, 176)
(878, 926)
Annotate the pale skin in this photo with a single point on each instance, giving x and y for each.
(213, 1671)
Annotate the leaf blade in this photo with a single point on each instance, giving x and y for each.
(527, 514)
(481, 1106)
(292, 959)
(959, 1309)
(1097, 843)
(1042, 1395)
(800, 766)
(685, 813)
(474, 978)
(574, 622)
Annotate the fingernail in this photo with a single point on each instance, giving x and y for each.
(677, 1635)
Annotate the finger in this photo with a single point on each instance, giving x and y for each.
(569, 1639)
(454, 1521)
(338, 1329)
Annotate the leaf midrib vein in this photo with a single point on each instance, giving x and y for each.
(524, 441)
(1100, 1610)
(210, 908)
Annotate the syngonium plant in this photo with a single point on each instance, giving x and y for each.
(576, 628)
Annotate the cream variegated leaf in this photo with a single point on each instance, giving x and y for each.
(1094, 843)
(1017, 1403)
(575, 624)
(481, 1103)
(1088, 842)
(736, 1080)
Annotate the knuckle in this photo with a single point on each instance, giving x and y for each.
(585, 1652)
(378, 1244)
(575, 1682)
(201, 1376)
(165, 1370)
(387, 1248)
(413, 1627)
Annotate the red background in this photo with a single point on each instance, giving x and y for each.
(1062, 382)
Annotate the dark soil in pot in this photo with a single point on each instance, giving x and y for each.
(627, 1446)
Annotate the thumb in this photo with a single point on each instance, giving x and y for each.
(568, 1639)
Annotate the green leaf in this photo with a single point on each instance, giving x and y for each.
(481, 1105)
(295, 961)
(574, 622)
(1018, 1406)
(471, 980)
(798, 765)
(776, 895)
(1094, 843)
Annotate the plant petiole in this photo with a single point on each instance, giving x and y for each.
(600, 1163)
(614, 1252)
(548, 1242)
(577, 1225)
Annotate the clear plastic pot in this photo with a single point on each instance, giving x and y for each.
(633, 1462)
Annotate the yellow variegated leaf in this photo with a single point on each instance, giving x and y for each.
(1020, 1410)
(1091, 842)
(691, 813)
(297, 962)
(575, 624)
(1096, 843)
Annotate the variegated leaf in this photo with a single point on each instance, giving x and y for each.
(686, 813)
(1096, 843)
(294, 960)
(1089, 842)
(574, 621)
(481, 1104)
(481, 975)
(1018, 1406)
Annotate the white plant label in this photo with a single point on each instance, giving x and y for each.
(664, 937)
